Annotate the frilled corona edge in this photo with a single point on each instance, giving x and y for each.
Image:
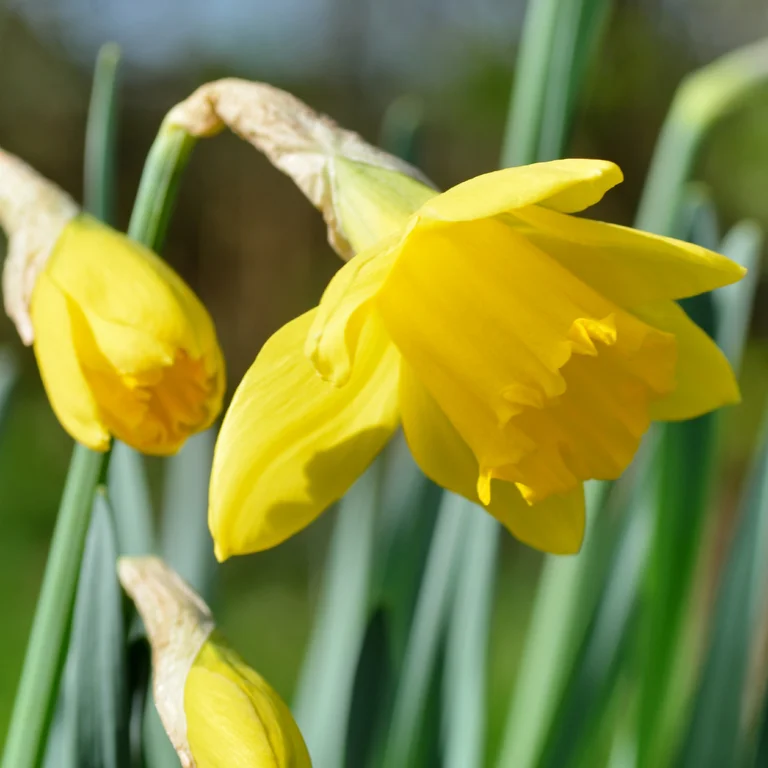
(33, 213)
(178, 624)
(300, 142)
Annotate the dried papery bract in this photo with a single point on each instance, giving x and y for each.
(178, 623)
(33, 213)
(300, 142)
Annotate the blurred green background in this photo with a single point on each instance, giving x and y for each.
(246, 240)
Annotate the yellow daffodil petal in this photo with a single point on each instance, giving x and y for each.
(563, 185)
(291, 443)
(65, 383)
(628, 266)
(344, 309)
(553, 525)
(704, 378)
(144, 342)
(118, 281)
(235, 719)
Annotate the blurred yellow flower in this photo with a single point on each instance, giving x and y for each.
(217, 711)
(524, 351)
(234, 718)
(125, 348)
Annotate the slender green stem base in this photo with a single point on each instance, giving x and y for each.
(42, 669)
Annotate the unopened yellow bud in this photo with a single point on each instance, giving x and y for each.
(124, 346)
(217, 711)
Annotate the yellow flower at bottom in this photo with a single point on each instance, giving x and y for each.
(524, 351)
(217, 712)
(125, 348)
(235, 719)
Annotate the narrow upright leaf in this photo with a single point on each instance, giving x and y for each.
(466, 663)
(187, 545)
(716, 730)
(91, 725)
(424, 644)
(327, 679)
(130, 500)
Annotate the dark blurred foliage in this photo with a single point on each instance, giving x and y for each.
(255, 251)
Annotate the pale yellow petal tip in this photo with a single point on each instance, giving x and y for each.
(221, 553)
(484, 487)
(612, 171)
(528, 494)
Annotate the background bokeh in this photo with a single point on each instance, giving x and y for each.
(255, 251)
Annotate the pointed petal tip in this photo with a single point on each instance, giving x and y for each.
(221, 553)
(484, 487)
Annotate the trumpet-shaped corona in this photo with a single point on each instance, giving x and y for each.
(523, 350)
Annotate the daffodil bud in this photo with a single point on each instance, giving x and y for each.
(217, 711)
(363, 192)
(125, 348)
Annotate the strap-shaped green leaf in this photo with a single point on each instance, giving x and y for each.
(91, 723)
(186, 542)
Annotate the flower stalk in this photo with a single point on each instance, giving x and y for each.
(44, 659)
(45, 654)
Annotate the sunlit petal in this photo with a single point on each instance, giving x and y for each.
(66, 385)
(291, 443)
(626, 265)
(563, 185)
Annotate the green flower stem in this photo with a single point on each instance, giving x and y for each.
(159, 185)
(45, 655)
(703, 98)
(44, 659)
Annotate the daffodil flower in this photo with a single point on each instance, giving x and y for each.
(217, 711)
(522, 349)
(124, 346)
